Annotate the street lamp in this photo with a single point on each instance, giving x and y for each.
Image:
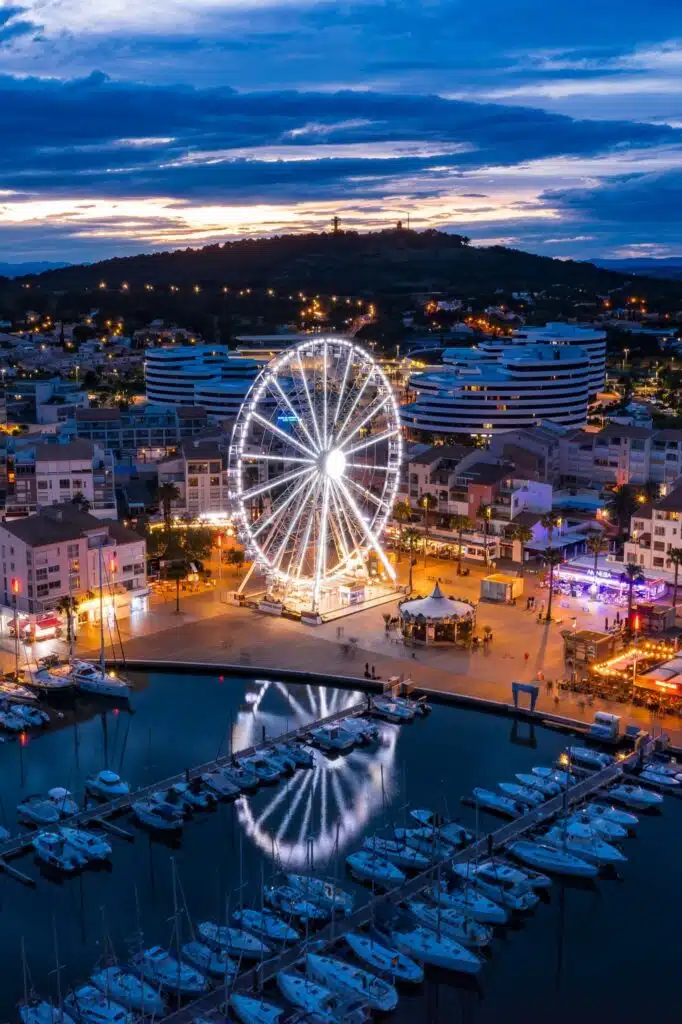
(16, 590)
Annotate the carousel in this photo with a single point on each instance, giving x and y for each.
(436, 618)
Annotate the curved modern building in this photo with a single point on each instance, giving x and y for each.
(189, 374)
(516, 388)
(590, 340)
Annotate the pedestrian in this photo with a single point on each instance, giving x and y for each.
(374, 675)
(618, 618)
(574, 622)
(606, 625)
(527, 603)
(526, 656)
(367, 676)
(414, 655)
(542, 608)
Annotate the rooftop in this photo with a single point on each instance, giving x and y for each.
(77, 449)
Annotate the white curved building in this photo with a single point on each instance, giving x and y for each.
(188, 374)
(516, 388)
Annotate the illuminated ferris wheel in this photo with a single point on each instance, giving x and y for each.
(315, 463)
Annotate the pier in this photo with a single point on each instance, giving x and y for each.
(100, 814)
(254, 979)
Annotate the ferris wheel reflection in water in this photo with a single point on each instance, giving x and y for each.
(315, 813)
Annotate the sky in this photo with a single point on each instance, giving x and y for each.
(138, 125)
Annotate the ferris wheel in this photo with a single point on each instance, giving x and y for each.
(315, 462)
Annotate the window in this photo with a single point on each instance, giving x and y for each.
(127, 568)
(42, 485)
(42, 589)
(193, 481)
(659, 531)
(658, 562)
(78, 484)
(41, 574)
(637, 524)
(65, 483)
(215, 481)
(30, 590)
(53, 569)
(659, 545)
(138, 568)
(54, 585)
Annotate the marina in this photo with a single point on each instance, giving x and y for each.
(394, 791)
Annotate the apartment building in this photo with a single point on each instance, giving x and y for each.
(654, 530)
(145, 432)
(57, 552)
(40, 474)
(199, 471)
(621, 454)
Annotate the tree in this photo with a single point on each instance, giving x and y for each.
(550, 521)
(67, 606)
(412, 537)
(179, 550)
(81, 502)
(484, 513)
(631, 575)
(402, 513)
(459, 524)
(675, 556)
(429, 503)
(236, 557)
(596, 544)
(551, 558)
(167, 494)
(523, 534)
(621, 506)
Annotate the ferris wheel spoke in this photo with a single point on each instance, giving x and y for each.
(370, 416)
(373, 440)
(321, 565)
(278, 481)
(353, 531)
(373, 468)
(313, 414)
(308, 530)
(369, 534)
(337, 526)
(278, 510)
(379, 502)
(288, 818)
(295, 521)
(339, 432)
(298, 422)
(281, 433)
(260, 457)
(342, 387)
(324, 392)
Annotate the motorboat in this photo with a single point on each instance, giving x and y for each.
(89, 678)
(420, 707)
(446, 830)
(323, 1005)
(635, 796)
(469, 901)
(367, 866)
(492, 801)
(326, 894)
(425, 841)
(333, 738)
(398, 853)
(162, 816)
(604, 828)
(266, 924)
(63, 801)
(191, 794)
(424, 946)
(300, 754)
(365, 732)
(32, 717)
(234, 941)
(536, 879)
(669, 768)
(292, 903)
(106, 785)
(93, 846)
(555, 860)
(129, 989)
(52, 680)
(522, 794)
(352, 982)
(242, 776)
(53, 850)
(214, 962)
(15, 691)
(160, 968)
(546, 786)
(11, 722)
(653, 778)
(37, 810)
(171, 798)
(282, 760)
(453, 923)
(499, 882)
(589, 758)
(392, 710)
(90, 1006)
(255, 1011)
(596, 809)
(384, 958)
(562, 778)
(219, 782)
(37, 1011)
(266, 770)
(584, 842)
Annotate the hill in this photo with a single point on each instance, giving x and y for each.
(396, 261)
(22, 269)
(669, 268)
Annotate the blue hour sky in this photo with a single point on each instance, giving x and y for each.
(133, 125)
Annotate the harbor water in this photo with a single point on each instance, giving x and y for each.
(592, 952)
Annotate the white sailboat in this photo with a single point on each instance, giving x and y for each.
(234, 941)
(425, 841)
(318, 890)
(384, 958)
(324, 1006)
(602, 826)
(635, 796)
(596, 809)
(38, 1011)
(160, 968)
(93, 846)
(63, 801)
(468, 901)
(214, 962)
(162, 816)
(584, 842)
(37, 810)
(255, 1011)
(266, 924)
(106, 785)
(522, 794)
(453, 923)
(589, 758)
(366, 866)
(352, 982)
(129, 990)
(90, 1006)
(552, 859)
(492, 801)
(424, 946)
(443, 829)
(292, 903)
(403, 856)
(499, 882)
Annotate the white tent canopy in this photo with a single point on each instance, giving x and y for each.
(436, 608)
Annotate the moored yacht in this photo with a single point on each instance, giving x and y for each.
(292, 903)
(596, 809)
(162, 816)
(499, 882)
(214, 962)
(469, 901)
(219, 781)
(379, 954)
(129, 990)
(106, 785)
(234, 941)
(240, 775)
(90, 1006)
(557, 775)
(51, 680)
(654, 778)
(602, 826)
(522, 794)
(552, 859)
(398, 853)
(352, 982)
(266, 924)
(426, 947)
(318, 1001)
(635, 796)
(444, 829)
(63, 801)
(584, 842)
(37, 810)
(589, 758)
(392, 710)
(547, 786)
(318, 890)
(54, 851)
(255, 1011)
(37, 1011)
(425, 841)
(32, 717)
(451, 922)
(266, 770)
(160, 968)
(90, 844)
(11, 722)
(492, 801)
(89, 678)
(333, 738)
(367, 866)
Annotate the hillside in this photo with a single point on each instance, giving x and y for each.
(395, 261)
(669, 268)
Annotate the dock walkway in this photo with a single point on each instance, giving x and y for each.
(256, 977)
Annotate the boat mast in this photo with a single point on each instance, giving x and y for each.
(70, 614)
(101, 612)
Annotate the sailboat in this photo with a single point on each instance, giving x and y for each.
(209, 961)
(34, 1010)
(326, 894)
(90, 1006)
(255, 1011)
(453, 923)
(384, 958)
(325, 1006)
(352, 982)
(266, 924)
(89, 678)
(129, 990)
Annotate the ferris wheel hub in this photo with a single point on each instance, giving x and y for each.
(335, 463)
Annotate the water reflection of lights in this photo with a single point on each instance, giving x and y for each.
(310, 813)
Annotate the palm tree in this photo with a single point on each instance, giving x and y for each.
(523, 534)
(428, 502)
(167, 494)
(596, 544)
(67, 606)
(402, 513)
(459, 524)
(621, 506)
(550, 521)
(412, 536)
(675, 556)
(631, 575)
(552, 558)
(81, 502)
(484, 513)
